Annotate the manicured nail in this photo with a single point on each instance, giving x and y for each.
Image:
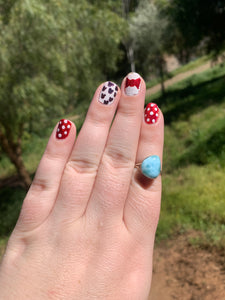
(108, 93)
(63, 129)
(132, 84)
(151, 113)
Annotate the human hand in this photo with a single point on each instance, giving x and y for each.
(87, 225)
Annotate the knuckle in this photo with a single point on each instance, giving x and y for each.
(51, 155)
(128, 111)
(117, 159)
(97, 119)
(40, 185)
(82, 165)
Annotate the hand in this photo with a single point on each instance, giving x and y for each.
(87, 225)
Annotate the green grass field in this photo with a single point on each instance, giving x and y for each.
(194, 161)
(194, 158)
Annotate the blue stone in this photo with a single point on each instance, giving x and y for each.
(151, 166)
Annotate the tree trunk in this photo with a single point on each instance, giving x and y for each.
(14, 153)
(128, 43)
(130, 54)
(163, 87)
(22, 171)
(161, 73)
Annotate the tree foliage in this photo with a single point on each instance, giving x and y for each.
(200, 20)
(52, 53)
(150, 36)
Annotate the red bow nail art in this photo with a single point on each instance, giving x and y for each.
(63, 129)
(151, 113)
(133, 82)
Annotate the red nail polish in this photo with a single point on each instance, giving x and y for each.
(151, 113)
(63, 129)
(132, 84)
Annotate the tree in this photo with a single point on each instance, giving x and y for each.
(200, 21)
(128, 7)
(52, 53)
(150, 36)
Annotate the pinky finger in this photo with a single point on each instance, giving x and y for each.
(41, 196)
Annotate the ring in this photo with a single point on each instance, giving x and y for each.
(150, 166)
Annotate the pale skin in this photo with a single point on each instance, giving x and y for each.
(87, 225)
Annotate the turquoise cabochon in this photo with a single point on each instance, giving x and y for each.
(151, 166)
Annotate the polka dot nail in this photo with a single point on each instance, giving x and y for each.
(63, 129)
(151, 113)
(108, 93)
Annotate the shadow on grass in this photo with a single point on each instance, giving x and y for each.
(10, 204)
(180, 104)
(201, 152)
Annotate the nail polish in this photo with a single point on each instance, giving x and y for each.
(63, 129)
(132, 84)
(108, 93)
(151, 113)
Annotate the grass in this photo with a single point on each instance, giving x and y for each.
(193, 198)
(3, 242)
(194, 158)
(10, 208)
(194, 161)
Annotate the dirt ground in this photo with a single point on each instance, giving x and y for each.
(185, 272)
(180, 77)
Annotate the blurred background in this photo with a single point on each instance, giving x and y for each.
(53, 54)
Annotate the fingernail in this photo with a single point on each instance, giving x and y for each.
(108, 93)
(63, 129)
(132, 84)
(151, 113)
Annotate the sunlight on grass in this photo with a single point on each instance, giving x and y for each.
(194, 159)
(193, 198)
(3, 242)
